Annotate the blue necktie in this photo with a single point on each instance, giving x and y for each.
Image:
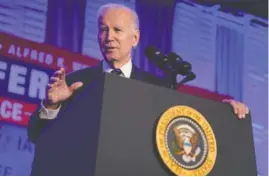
(116, 71)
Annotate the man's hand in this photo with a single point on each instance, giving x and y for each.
(239, 108)
(58, 90)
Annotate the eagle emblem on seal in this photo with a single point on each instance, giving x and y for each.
(185, 143)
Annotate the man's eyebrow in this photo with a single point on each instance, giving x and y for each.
(117, 26)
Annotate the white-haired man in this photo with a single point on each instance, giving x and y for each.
(118, 33)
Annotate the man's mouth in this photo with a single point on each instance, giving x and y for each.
(109, 48)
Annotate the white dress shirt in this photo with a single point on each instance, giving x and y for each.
(125, 69)
(52, 113)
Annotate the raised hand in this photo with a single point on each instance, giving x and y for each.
(58, 90)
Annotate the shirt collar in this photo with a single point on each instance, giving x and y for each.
(125, 69)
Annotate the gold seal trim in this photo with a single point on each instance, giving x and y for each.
(162, 125)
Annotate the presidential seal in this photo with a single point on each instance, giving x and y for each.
(186, 141)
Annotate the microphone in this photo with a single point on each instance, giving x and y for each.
(180, 66)
(171, 63)
(156, 56)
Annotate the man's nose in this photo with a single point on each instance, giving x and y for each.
(110, 35)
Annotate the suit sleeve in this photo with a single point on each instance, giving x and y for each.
(37, 124)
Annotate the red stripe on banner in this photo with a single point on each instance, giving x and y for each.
(14, 111)
(42, 54)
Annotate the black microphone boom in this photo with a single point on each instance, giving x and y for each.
(180, 66)
(170, 63)
(157, 57)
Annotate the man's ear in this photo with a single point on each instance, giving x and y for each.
(136, 38)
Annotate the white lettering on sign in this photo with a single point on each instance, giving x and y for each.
(11, 110)
(21, 78)
(33, 54)
(39, 81)
(17, 79)
(60, 62)
(41, 57)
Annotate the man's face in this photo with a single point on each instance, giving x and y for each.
(116, 34)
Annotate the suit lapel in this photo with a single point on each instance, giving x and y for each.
(137, 74)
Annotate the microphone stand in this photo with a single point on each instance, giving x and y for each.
(172, 75)
(173, 80)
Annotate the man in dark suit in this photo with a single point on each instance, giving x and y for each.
(118, 33)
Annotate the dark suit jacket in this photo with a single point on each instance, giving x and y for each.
(87, 75)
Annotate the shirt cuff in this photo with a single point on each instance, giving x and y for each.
(48, 114)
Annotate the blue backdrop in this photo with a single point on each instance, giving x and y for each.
(228, 52)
